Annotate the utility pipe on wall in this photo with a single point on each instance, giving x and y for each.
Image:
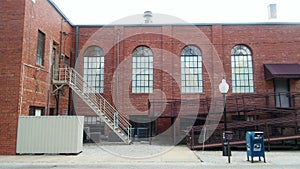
(22, 90)
(117, 73)
(57, 97)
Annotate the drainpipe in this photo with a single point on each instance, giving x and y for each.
(49, 77)
(116, 114)
(70, 91)
(76, 65)
(22, 90)
(76, 46)
(60, 40)
(57, 66)
(117, 73)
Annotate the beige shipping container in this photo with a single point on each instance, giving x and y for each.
(50, 135)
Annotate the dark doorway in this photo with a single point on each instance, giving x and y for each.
(282, 90)
(140, 125)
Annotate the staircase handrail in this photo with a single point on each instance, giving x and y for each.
(95, 100)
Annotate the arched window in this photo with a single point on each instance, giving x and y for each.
(93, 71)
(142, 70)
(191, 70)
(242, 70)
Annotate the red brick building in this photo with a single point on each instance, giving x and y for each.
(155, 62)
(26, 70)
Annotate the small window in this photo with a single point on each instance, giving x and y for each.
(67, 62)
(52, 112)
(54, 55)
(36, 111)
(251, 118)
(40, 49)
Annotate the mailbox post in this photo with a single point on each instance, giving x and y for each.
(255, 145)
(227, 136)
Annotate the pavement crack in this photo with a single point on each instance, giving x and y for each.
(198, 157)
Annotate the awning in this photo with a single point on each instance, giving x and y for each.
(286, 71)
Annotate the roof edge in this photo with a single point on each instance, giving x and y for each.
(189, 24)
(60, 12)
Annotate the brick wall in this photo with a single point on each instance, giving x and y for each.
(37, 87)
(268, 43)
(21, 21)
(11, 32)
(19, 25)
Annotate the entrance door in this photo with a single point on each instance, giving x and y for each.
(282, 93)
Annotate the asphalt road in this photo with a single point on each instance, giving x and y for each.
(146, 165)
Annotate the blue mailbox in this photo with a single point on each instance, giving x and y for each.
(255, 145)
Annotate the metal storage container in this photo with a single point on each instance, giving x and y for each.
(50, 135)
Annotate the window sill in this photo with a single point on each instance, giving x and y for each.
(40, 66)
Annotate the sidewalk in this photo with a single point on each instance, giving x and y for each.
(138, 152)
(113, 153)
(239, 158)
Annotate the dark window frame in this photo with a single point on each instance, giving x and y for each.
(40, 52)
(32, 110)
(67, 61)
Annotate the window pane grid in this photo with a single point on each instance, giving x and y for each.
(94, 73)
(242, 70)
(142, 70)
(191, 70)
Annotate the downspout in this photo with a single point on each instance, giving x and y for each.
(57, 66)
(117, 73)
(22, 90)
(76, 46)
(75, 64)
(70, 90)
(60, 41)
(116, 114)
(50, 76)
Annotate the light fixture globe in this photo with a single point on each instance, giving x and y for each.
(223, 87)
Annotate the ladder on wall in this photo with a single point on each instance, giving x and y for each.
(114, 119)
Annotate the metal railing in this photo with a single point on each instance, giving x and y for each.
(115, 120)
(234, 103)
(277, 114)
(279, 122)
(274, 129)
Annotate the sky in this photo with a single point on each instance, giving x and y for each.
(102, 12)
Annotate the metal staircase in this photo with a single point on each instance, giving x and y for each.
(115, 120)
